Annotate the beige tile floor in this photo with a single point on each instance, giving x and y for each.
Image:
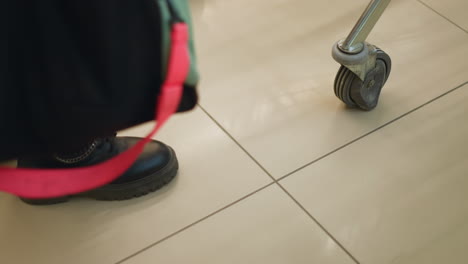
(453, 10)
(273, 168)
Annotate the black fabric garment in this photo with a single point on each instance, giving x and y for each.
(75, 70)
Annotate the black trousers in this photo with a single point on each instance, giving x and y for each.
(75, 70)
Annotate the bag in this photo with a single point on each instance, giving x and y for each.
(180, 72)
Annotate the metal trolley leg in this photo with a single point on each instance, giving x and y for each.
(365, 68)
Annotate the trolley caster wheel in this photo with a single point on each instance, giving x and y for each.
(354, 92)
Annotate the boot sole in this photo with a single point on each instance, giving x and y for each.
(124, 191)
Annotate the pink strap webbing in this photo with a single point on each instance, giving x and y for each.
(49, 183)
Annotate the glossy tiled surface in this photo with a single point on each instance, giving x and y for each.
(268, 73)
(398, 195)
(265, 228)
(106, 232)
(395, 196)
(455, 10)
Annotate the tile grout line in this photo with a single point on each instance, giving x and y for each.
(318, 223)
(324, 156)
(217, 211)
(237, 143)
(372, 131)
(275, 181)
(193, 224)
(440, 14)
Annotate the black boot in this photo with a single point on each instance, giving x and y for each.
(155, 167)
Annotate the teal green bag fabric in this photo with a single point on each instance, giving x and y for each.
(182, 9)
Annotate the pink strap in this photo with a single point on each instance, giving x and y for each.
(48, 183)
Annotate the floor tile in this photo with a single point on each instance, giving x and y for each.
(268, 73)
(214, 172)
(449, 247)
(455, 10)
(398, 195)
(265, 228)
